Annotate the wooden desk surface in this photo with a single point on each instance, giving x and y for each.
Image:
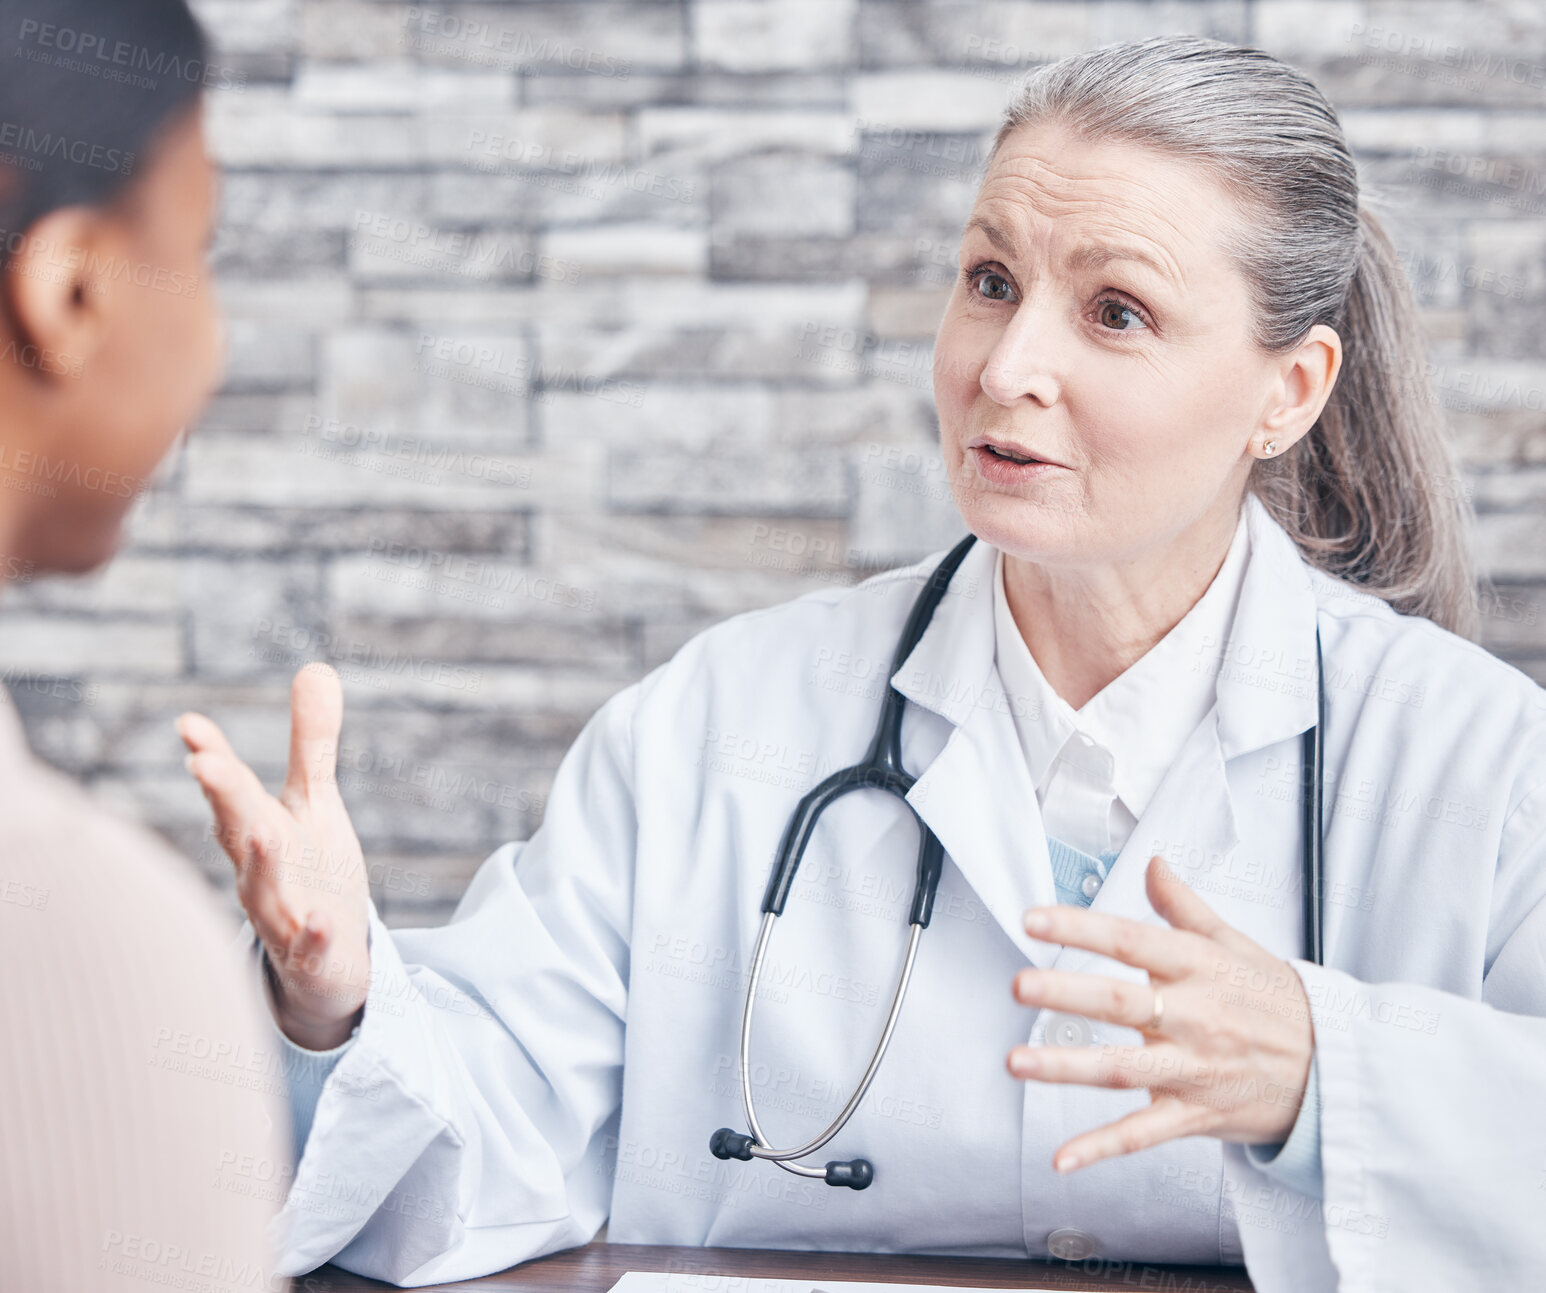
(596, 1267)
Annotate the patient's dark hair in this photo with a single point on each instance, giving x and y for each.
(84, 87)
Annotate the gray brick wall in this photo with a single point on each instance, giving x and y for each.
(559, 331)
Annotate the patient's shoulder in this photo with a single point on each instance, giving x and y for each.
(88, 864)
(137, 1019)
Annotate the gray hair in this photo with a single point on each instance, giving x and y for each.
(1371, 494)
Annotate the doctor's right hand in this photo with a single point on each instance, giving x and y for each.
(300, 873)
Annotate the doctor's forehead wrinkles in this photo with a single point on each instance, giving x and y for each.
(1028, 202)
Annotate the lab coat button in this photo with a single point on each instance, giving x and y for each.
(1090, 885)
(1069, 1030)
(1070, 1244)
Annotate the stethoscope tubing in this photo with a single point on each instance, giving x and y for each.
(1311, 782)
(780, 1156)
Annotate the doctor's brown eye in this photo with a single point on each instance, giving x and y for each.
(998, 288)
(1116, 315)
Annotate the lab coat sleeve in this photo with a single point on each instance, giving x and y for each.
(470, 1123)
(1433, 1108)
(1296, 1162)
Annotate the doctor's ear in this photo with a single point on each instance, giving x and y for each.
(58, 288)
(1307, 374)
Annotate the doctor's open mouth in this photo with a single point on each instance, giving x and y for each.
(1005, 461)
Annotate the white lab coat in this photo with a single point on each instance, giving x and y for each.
(560, 1053)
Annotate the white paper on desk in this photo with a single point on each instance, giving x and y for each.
(657, 1282)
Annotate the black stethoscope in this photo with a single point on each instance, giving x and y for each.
(881, 769)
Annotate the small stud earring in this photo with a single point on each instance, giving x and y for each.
(1271, 447)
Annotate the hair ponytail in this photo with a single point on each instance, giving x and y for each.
(1372, 494)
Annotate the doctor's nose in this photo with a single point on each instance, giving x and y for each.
(1018, 368)
(1008, 384)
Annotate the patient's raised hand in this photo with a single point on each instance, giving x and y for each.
(300, 874)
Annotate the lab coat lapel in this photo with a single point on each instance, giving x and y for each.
(1266, 671)
(976, 795)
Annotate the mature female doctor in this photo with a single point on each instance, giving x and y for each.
(1178, 397)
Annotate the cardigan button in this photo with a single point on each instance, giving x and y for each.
(1071, 1245)
(1069, 1030)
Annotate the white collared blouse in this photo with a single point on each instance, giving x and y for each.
(1096, 768)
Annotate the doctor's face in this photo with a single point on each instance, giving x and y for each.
(1096, 325)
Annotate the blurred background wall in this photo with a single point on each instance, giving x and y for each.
(559, 331)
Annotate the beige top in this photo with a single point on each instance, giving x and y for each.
(143, 1128)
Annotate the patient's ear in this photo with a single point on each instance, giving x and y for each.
(59, 287)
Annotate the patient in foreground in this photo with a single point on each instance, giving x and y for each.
(138, 1103)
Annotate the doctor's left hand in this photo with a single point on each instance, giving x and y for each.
(1231, 1053)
